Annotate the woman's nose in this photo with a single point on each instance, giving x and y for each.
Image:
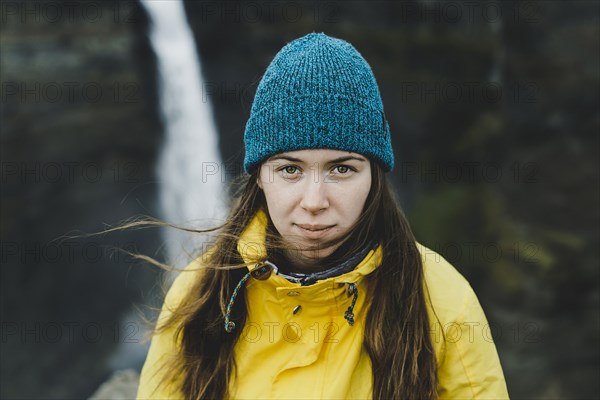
(315, 195)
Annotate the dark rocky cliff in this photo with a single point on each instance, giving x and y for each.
(80, 135)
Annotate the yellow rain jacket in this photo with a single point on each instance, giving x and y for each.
(297, 344)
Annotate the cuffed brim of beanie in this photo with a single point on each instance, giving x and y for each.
(312, 122)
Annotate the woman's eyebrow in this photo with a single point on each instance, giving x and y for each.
(346, 158)
(288, 158)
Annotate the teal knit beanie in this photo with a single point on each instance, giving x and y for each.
(317, 93)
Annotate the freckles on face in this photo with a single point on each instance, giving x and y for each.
(315, 195)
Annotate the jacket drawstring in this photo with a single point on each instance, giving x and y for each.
(230, 325)
(260, 273)
(349, 314)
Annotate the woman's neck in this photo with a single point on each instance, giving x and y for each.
(302, 264)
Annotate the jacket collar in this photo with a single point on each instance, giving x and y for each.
(252, 248)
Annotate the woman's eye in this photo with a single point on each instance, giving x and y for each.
(343, 169)
(290, 170)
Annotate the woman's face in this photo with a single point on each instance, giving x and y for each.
(313, 196)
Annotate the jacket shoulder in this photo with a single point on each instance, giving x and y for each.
(468, 363)
(446, 287)
(183, 282)
(166, 345)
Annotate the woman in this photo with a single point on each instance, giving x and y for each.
(315, 286)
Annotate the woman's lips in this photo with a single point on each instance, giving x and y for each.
(314, 231)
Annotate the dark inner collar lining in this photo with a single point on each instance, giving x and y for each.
(306, 279)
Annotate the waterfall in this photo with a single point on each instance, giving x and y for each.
(190, 149)
(189, 168)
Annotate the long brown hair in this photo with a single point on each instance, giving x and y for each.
(396, 334)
